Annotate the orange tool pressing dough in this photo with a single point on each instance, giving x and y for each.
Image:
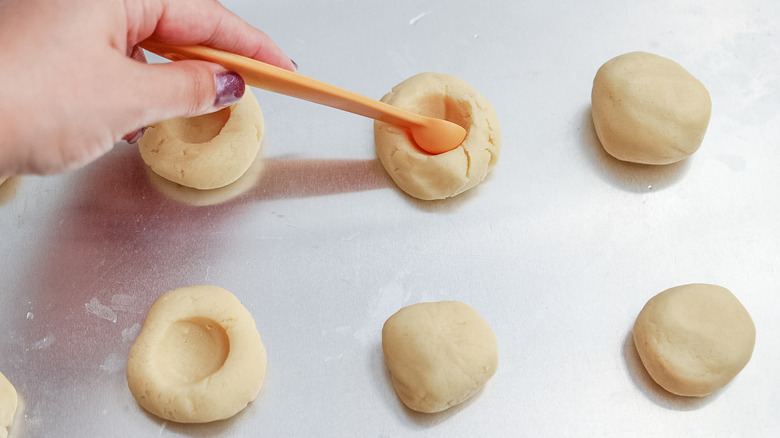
(432, 135)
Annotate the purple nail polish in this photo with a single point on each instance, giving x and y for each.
(134, 136)
(230, 88)
(294, 63)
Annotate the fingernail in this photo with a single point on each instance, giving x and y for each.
(230, 88)
(134, 136)
(138, 54)
(294, 63)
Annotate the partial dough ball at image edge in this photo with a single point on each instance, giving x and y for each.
(439, 354)
(430, 177)
(649, 109)
(694, 339)
(208, 151)
(199, 357)
(8, 404)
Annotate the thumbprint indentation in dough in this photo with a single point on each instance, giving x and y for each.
(198, 358)
(205, 152)
(192, 350)
(203, 128)
(445, 107)
(425, 176)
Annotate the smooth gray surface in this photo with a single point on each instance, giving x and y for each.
(559, 249)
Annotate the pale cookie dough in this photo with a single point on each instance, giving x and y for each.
(200, 198)
(8, 403)
(208, 151)
(427, 176)
(694, 339)
(649, 109)
(198, 358)
(439, 354)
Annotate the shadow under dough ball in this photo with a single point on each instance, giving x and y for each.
(648, 109)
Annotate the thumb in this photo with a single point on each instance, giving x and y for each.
(184, 88)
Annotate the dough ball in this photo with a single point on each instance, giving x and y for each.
(427, 176)
(439, 354)
(207, 151)
(694, 339)
(649, 109)
(198, 358)
(200, 198)
(8, 403)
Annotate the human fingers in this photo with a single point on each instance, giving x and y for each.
(205, 22)
(137, 54)
(179, 89)
(134, 136)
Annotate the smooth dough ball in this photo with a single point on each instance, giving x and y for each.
(427, 176)
(207, 151)
(8, 403)
(694, 339)
(198, 358)
(648, 109)
(439, 354)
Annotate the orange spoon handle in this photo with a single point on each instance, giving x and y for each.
(278, 80)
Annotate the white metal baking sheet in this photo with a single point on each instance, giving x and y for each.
(558, 249)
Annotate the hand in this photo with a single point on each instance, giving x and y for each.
(71, 84)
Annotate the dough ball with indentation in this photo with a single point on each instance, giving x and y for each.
(198, 358)
(648, 109)
(439, 354)
(427, 176)
(8, 403)
(207, 151)
(694, 339)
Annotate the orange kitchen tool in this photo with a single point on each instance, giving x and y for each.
(432, 135)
